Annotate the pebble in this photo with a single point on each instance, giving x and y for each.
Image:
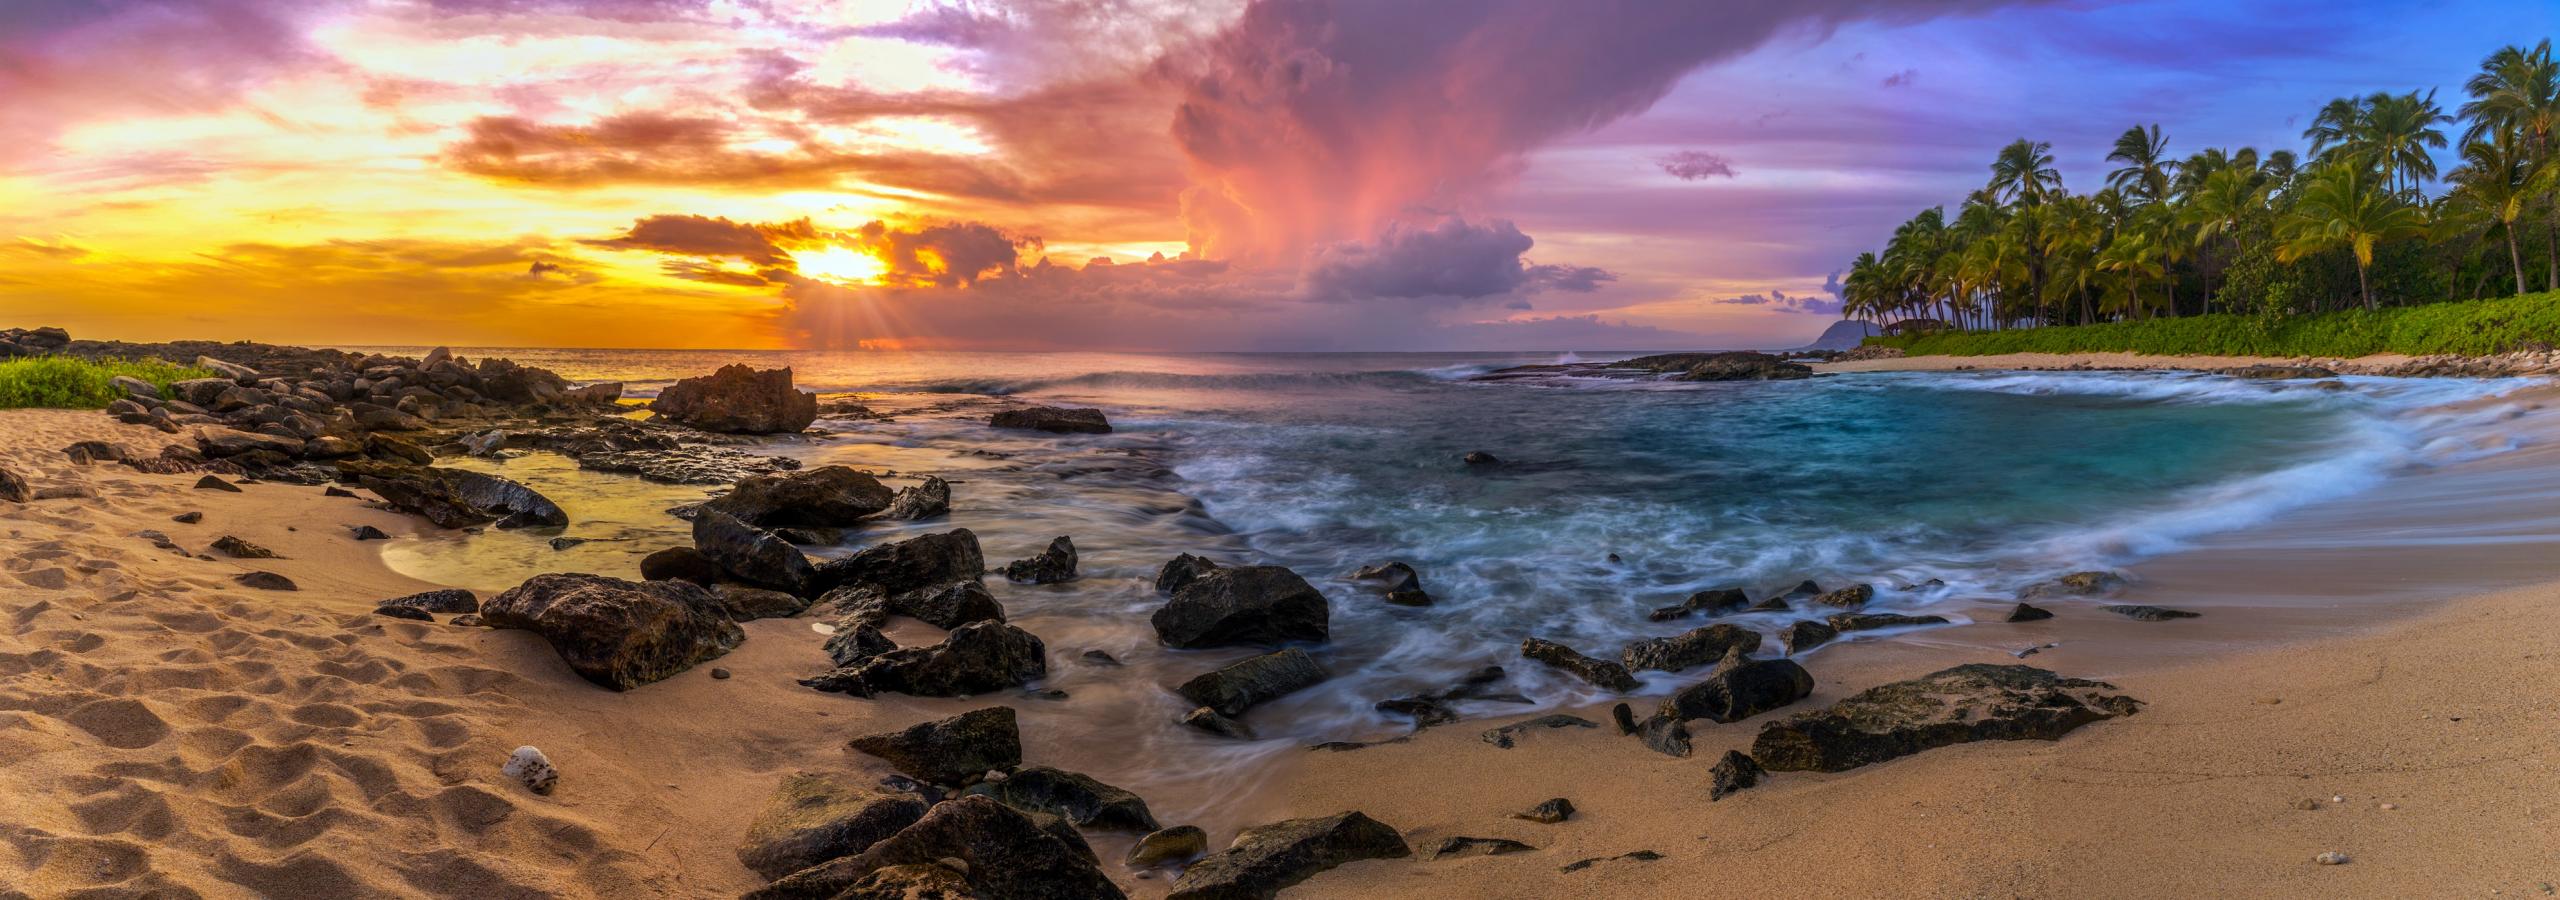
(2389, 806)
(528, 765)
(717, 672)
(2330, 858)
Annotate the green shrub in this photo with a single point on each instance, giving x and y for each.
(2469, 328)
(63, 382)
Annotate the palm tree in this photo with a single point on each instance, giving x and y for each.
(2216, 208)
(2517, 91)
(2341, 207)
(2335, 125)
(2133, 260)
(2496, 178)
(2024, 172)
(2146, 169)
(2398, 131)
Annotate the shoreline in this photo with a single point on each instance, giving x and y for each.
(2384, 364)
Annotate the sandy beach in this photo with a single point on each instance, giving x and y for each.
(172, 733)
(2050, 361)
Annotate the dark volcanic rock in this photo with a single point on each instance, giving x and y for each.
(953, 750)
(1600, 673)
(403, 612)
(1732, 773)
(944, 606)
(680, 564)
(1479, 846)
(1180, 843)
(1078, 798)
(746, 603)
(816, 817)
(751, 554)
(239, 549)
(995, 850)
(1054, 565)
(1714, 603)
(452, 498)
(1206, 719)
(1740, 690)
(2149, 613)
(1265, 859)
(976, 659)
(1182, 570)
(1244, 684)
(14, 488)
(1802, 636)
(1851, 597)
(1581, 864)
(1549, 813)
(1478, 459)
(619, 634)
(1697, 647)
(901, 566)
(1739, 365)
(739, 400)
(689, 465)
(1665, 735)
(923, 501)
(1975, 702)
(1243, 605)
(2076, 584)
(265, 581)
(1057, 420)
(854, 642)
(1508, 736)
(1873, 621)
(2026, 613)
(822, 497)
(1390, 577)
(211, 483)
(449, 600)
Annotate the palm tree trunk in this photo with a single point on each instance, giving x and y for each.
(2366, 286)
(2515, 258)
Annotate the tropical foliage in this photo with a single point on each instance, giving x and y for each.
(2364, 218)
(2470, 328)
(64, 382)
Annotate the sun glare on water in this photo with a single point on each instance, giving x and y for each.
(842, 265)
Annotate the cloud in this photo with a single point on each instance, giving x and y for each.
(65, 61)
(1694, 165)
(710, 236)
(1779, 301)
(25, 246)
(1903, 78)
(1449, 258)
(944, 254)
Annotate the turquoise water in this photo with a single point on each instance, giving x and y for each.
(1325, 463)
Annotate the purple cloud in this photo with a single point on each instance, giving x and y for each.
(1694, 165)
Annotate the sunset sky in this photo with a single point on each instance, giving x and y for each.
(1115, 174)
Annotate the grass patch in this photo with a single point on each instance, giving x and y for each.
(2468, 328)
(63, 382)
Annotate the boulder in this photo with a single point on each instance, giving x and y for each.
(1478, 459)
(237, 373)
(747, 603)
(134, 387)
(854, 642)
(450, 600)
(976, 659)
(1265, 859)
(901, 566)
(816, 817)
(452, 498)
(1242, 685)
(680, 564)
(1243, 605)
(1689, 650)
(953, 750)
(1390, 577)
(2076, 584)
(1178, 844)
(265, 581)
(1871, 621)
(1973, 702)
(995, 850)
(2148, 613)
(2027, 613)
(750, 554)
(817, 498)
(945, 606)
(1054, 565)
(1664, 734)
(1714, 603)
(616, 633)
(1741, 689)
(1732, 773)
(1182, 570)
(1851, 597)
(239, 549)
(739, 400)
(1080, 799)
(14, 487)
(1802, 636)
(923, 501)
(1605, 675)
(1208, 720)
(1053, 419)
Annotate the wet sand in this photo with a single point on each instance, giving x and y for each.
(165, 729)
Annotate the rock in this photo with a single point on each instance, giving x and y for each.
(449, 600)
(949, 606)
(615, 633)
(1871, 621)
(901, 566)
(811, 537)
(718, 673)
(680, 564)
(1100, 658)
(976, 659)
(1390, 578)
(2276, 372)
(1663, 734)
(1549, 813)
(1182, 570)
(853, 643)
(1244, 684)
(403, 612)
(1741, 689)
(988, 849)
(1974, 702)
(1697, 647)
(486, 443)
(2076, 584)
(814, 818)
(265, 581)
(1054, 565)
(1714, 603)
(1053, 419)
(368, 533)
(1206, 719)
(187, 518)
(236, 372)
(750, 554)
(1623, 716)
(1602, 674)
(1478, 459)
(1478, 846)
(452, 498)
(134, 387)
(1175, 845)
(239, 549)
(1243, 605)
(1739, 365)
(2335, 858)
(953, 750)
(739, 400)
(822, 497)
(1078, 798)
(14, 487)
(1802, 636)
(565, 542)
(1265, 859)
(1732, 773)
(85, 452)
(1408, 598)
(2026, 613)
(689, 465)
(1851, 597)
(532, 769)
(211, 483)
(2149, 613)
(923, 501)
(1581, 864)
(746, 603)
(1507, 736)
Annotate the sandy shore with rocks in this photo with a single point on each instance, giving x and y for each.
(168, 731)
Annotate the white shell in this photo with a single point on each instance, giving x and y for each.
(528, 765)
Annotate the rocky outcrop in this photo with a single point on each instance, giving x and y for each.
(1741, 689)
(1852, 597)
(2268, 372)
(619, 634)
(2076, 584)
(950, 751)
(1799, 637)
(1239, 686)
(971, 847)
(1243, 605)
(17, 342)
(975, 659)
(1714, 603)
(1080, 799)
(1265, 859)
(452, 498)
(823, 497)
(739, 400)
(1740, 365)
(1182, 570)
(1975, 702)
(945, 606)
(1436, 708)
(750, 554)
(816, 817)
(928, 499)
(1605, 675)
(1053, 419)
(1055, 565)
(1689, 650)
(901, 566)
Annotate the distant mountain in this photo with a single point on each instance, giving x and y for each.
(1842, 335)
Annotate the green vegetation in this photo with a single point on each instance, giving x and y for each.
(2253, 253)
(2471, 328)
(63, 382)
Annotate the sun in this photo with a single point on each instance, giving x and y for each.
(842, 265)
